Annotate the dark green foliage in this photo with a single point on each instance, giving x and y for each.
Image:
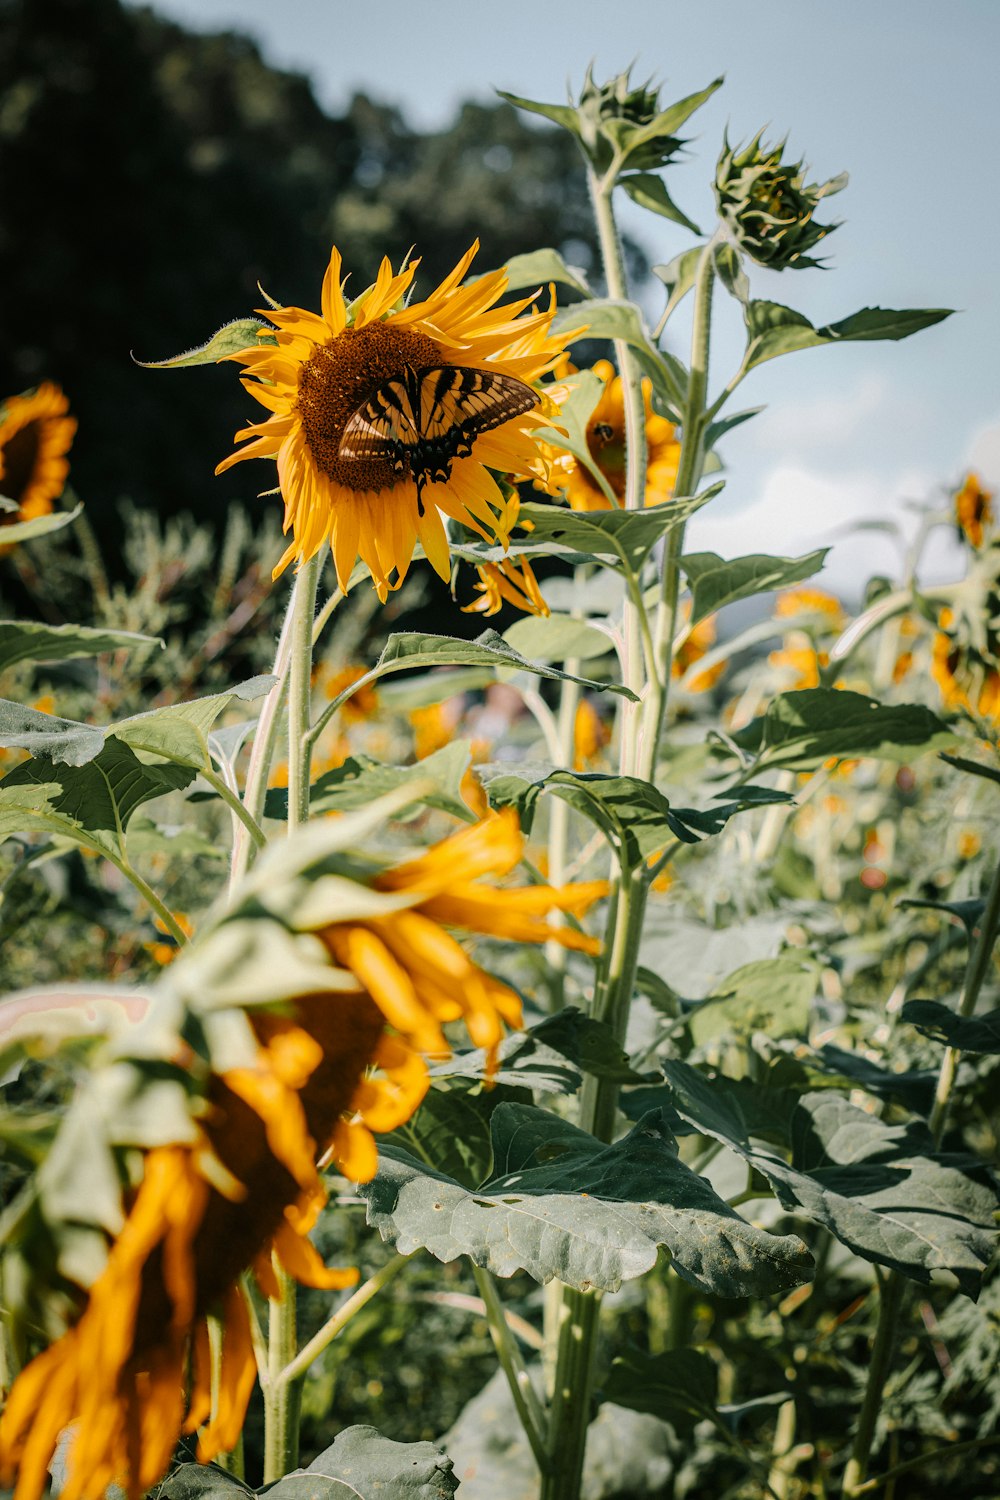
(159, 175)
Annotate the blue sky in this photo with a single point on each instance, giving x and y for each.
(901, 93)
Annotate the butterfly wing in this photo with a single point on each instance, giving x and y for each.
(424, 418)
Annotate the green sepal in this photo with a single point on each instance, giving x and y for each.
(232, 338)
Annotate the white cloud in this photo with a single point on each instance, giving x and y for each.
(837, 419)
(800, 508)
(984, 453)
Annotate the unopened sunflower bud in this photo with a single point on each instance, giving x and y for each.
(768, 207)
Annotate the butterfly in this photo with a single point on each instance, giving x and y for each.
(423, 419)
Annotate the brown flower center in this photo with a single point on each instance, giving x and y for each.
(606, 441)
(338, 380)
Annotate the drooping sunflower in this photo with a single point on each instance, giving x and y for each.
(422, 440)
(36, 433)
(325, 1071)
(606, 442)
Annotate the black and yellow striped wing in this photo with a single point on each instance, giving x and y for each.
(423, 419)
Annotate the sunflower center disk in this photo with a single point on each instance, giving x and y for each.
(338, 380)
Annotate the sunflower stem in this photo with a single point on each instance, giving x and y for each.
(265, 743)
(689, 473)
(232, 1461)
(283, 1397)
(529, 1409)
(297, 1367)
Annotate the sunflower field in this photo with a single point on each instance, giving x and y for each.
(557, 1061)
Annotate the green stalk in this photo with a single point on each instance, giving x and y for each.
(569, 1415)
(282, 1398)
(265, 743)
(297, 1367)
(529, 1409)
(689, 473)
(892, 1286)
(232, 1461)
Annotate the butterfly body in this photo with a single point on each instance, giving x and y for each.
(421, 420)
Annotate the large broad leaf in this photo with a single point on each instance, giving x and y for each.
(181, 731)
(634, 815)
(90, 803)
(680, 1387)
(678, 276)
(412, 649)
(967, 1033)
(242, 333)
(178, 733)
(772, 995)
(361, 779)
(802, 729)
(774, 329)
(557, 638)
(608, 318)
(562, 1204)
(880, 1189)
(361, 1464)
(714, 582)
(538, 267)
(27, 640)
(626, 535)
(550, 1057)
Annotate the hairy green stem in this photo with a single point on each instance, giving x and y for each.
(146, 891)
(891, 1289)
(282, 1398)
(569, 1415)
(689, 473)
(265, 743)
(979, 961)
(236, 807)
(529, 1409)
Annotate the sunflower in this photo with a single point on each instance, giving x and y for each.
(606, 442)
(35, 435)
(314, 373)
(328, 1070)
(699, 640)
(973, 509)
(507, 582)
(968, 682)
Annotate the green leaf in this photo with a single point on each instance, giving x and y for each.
(451, 1130)
(680, 1387)
(557, 638)
(610, 318)
(89, 803)
(27, 640)
(231, 338)
(649, 191)
(626, 535)
(64, 741)
(436, 687)
(560, 114)
(413, 649)
(195, 1482)
(180, 732)
(729, 268)
(28, 531)
(669, 121)
(880, 1189)
(715, 583)
(678, 276)
(717, 430)
(539, 267)
(562, 1204)
(551, 1056)
(773, 995)
(361, 779)
(585, 390)
(804, 728)
(361, 1464)
(967, 1033)
(634, 816)
(774, 329)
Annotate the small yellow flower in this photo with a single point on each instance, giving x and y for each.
(36, 434)
(316, 373)
(590, 735)
(973, 509)
(606, 442)
(969, 844)
(966, 682)
(802, 601)
(434, 726)
(507, 582)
